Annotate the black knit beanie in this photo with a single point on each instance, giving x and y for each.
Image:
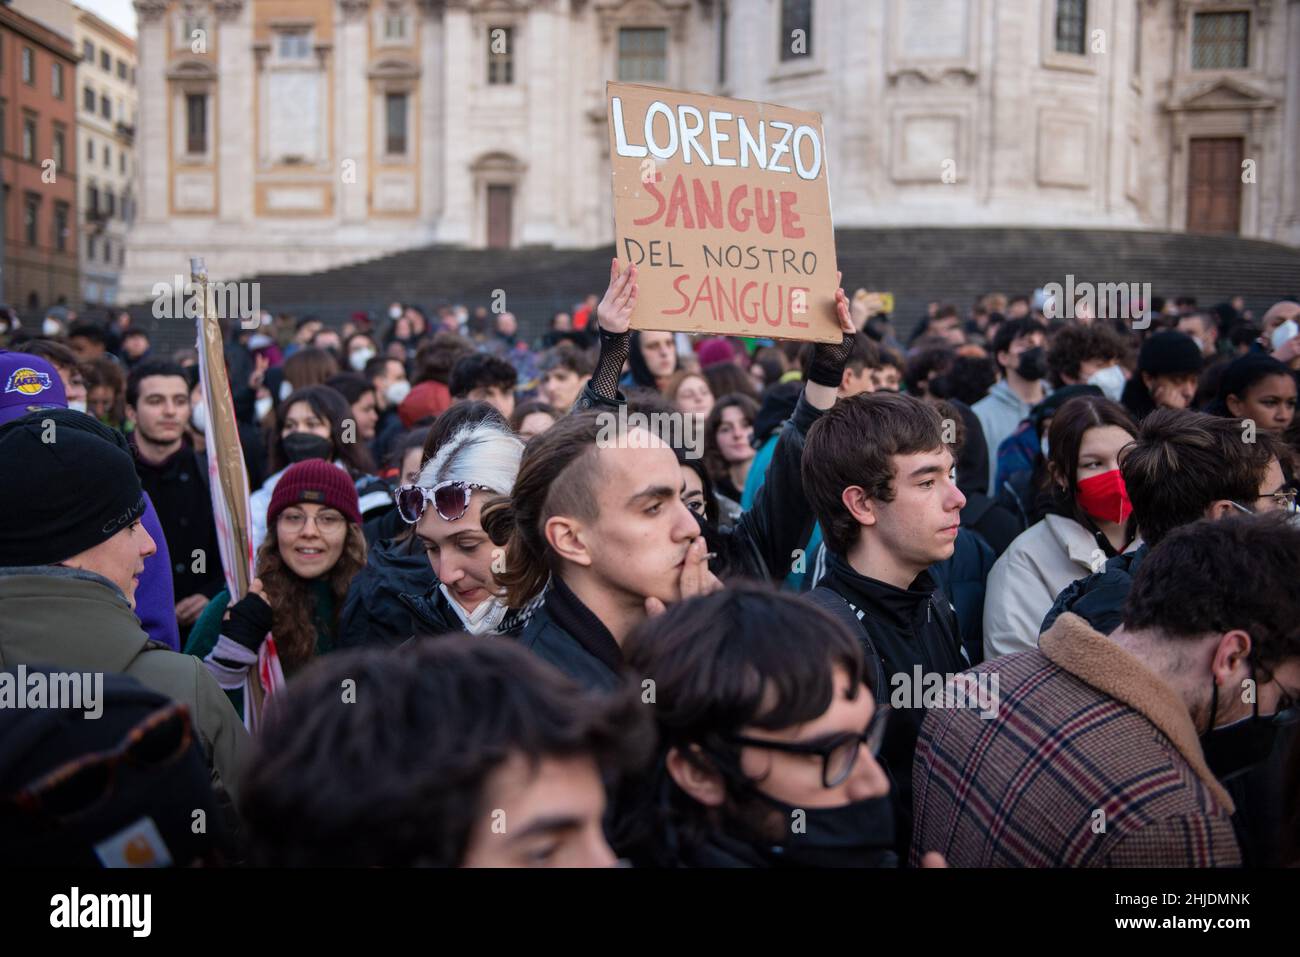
(64, 490)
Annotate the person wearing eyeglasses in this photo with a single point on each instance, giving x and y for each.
(1117, 750)
(769, 734)
(314, 548)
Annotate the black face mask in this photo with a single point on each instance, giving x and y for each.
(853, 835)
(1235, 748)
(1033, 364)
(300, 446)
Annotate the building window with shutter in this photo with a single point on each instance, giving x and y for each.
(59, 145)
(56, 80)
(61, 226)
(29, 66)
(796, 29)
(31, 218)
(293, 47)
(395, 28)
(196, 124)
(643, 54)
(29, 138)
(1071, 26)
(395, 110)
(501, 56)
(1221, 41)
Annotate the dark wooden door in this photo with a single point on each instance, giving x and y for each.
(1214, 186)
(499, 201)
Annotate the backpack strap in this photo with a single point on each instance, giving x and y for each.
(855, 620)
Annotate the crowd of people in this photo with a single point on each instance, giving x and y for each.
(1019, 591)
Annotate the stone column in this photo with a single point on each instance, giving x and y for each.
(457, 224)
(539, 194)
(429, 122)
(152, 154)
(235, 126)
(354, 136)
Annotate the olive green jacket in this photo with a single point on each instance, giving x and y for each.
(68, 618)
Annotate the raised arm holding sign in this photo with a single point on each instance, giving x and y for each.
(724, 207)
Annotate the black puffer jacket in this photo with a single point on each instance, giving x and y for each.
(1099, 598)
(373, 613)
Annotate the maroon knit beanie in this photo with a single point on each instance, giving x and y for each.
(315, 482)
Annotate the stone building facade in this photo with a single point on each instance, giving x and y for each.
(297, 135)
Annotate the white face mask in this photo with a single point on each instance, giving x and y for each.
(484, 619)
(261, 407)
(77, 406)
(1287, 330)
(286, 390)
(51, 327)
(395, 312)
(358, 358)
(199, 417)
(1110, 381)
(397, 391)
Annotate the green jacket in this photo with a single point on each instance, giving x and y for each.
(78, 620)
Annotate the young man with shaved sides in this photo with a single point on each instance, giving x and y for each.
(596, 524)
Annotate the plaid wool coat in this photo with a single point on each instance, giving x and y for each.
(1091, 761)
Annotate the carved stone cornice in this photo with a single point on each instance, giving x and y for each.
(228, 9)
(352, 9)
(150, 11)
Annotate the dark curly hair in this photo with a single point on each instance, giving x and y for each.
(1072, 346)
(290, 597)
(1181, 588)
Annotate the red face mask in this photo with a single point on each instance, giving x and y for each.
(1105, 497)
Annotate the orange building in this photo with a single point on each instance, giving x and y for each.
(38, 162)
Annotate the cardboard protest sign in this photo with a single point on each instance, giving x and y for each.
(724, 206)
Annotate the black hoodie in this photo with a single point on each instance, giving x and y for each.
(908, 628)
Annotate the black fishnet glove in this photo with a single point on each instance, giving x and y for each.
(609, 367)
(829, 360)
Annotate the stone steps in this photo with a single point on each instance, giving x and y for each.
(917, 264)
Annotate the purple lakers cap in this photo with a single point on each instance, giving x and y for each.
(28, 384)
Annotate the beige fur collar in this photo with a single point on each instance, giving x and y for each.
(1096, 660)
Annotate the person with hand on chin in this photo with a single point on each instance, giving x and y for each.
(314, 547)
